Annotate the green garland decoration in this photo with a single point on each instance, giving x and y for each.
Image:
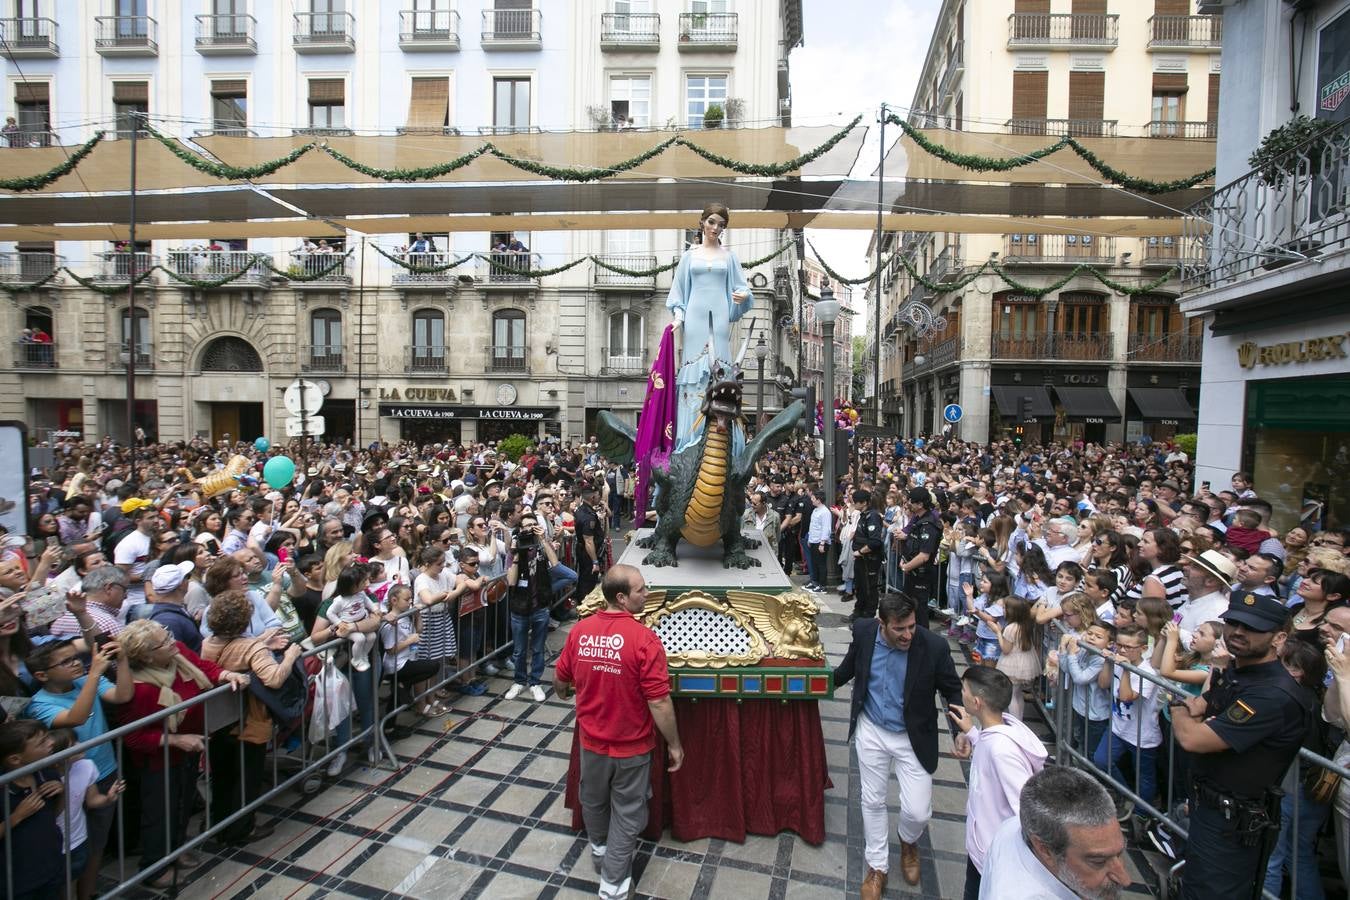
(528, 272)
(207, 284)
(14, 289)
(976, 163)
(109, 290)
(763, 259)
(421, 270)
(421, 174)
(228, 172)
(42, 179)
(770, 170)
(313, 276)
(558, 173)
(634, 273)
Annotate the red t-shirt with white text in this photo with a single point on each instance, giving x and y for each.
(618, 665)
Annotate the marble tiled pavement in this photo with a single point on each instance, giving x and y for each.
(477, 811)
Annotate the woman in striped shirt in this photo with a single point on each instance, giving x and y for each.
(1161, 548)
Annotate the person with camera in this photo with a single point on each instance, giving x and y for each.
(531, 595)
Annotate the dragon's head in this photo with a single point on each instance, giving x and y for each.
(722, 403)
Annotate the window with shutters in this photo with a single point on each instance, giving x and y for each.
(32, 109)
(1212, 106)
(1169, 104)
(1152, 317)
(508, 341)
(1087, 100)
(229, 107)
(428, 349)
(1089, 21)
(130, 97)
(428, 106)
(327, 104)
(1030, 92)
(1031, 20)
(1081, 314)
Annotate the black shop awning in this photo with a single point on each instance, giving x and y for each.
(1009, 396)
(1162, 403)
(1087, 403)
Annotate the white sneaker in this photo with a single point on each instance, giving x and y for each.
(537, 692)
(948, 612)
(361, 663)
(490, 669)
(337, 764)
(515, 691)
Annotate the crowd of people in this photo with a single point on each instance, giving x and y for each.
(1099, 575)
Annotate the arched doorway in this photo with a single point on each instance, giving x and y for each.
(232, 420)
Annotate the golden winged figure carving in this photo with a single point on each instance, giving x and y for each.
(787, 621)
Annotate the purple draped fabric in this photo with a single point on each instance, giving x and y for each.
(656, 428)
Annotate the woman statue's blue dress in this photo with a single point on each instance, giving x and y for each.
(700, 296)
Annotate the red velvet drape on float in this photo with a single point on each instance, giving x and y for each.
(756, 767)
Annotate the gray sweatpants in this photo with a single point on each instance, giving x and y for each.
(614, 796)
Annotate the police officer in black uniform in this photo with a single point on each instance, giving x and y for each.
(869, 552)
(780, 500)
(1242, 734)
(919, 552)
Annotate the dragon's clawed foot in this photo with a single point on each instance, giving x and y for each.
(739, 559)
(751, 543)
(660, 557)
(646, 543)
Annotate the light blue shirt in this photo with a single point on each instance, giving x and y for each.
(819, 530)
(46, 706)
(885, 703)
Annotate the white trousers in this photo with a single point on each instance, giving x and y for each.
(879, 753)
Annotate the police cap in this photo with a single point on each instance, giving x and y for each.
(1259, 612)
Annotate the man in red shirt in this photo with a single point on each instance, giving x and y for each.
(618, 668)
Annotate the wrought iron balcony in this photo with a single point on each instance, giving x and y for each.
(708, 31)
(408, 278)
(512, 29)
(1057, 31)
(428, 29)
(324, 32)
(26, 267)
(35, 355)
(1053, 346)
(604, 279)
(29, 38)
(630, 31)
(955, 67)
(322, 358)
(322, 131)
(126, 36)
(946, 266)
(230, 34)
(120, 266)
(120, 358)
(508, 358)
(1192, 130)
(629, 364)
(1064, 127)
(1185, 32)
(224, 131)
(505, 270)
(1179, 347)
(322, 270)
(210, 265)
(425, 359)
(1292, 209)
(31, 136)
(1166, 252)
(1058, 249)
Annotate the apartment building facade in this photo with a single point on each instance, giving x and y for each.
(1093, 364)
(811, 332)
(471, 353)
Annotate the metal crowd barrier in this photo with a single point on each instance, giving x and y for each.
(480, 623)
(1059, 715)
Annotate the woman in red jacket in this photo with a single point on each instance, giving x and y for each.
(166, 673)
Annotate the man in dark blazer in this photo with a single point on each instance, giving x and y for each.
(893, 722)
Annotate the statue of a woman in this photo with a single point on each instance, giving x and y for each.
(708, 293)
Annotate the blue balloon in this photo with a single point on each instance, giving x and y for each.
(919, 442)
(262, 445)
(279, 471)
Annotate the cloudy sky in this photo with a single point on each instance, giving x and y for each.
(857, 54)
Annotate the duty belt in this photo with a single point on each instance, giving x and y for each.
(1251, 818)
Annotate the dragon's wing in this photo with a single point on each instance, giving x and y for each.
(616, 438)
(763, 611)
(773, 434)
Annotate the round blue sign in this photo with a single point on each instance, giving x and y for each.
(952, 413)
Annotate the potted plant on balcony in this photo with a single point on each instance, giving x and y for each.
(1277, 156)
(735, 110)
(712, 116)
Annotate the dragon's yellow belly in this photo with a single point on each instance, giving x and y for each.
(704, 512)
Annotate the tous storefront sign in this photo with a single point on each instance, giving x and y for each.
(1251, 354)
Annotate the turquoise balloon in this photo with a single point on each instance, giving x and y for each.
(279, 471)
(262, 445)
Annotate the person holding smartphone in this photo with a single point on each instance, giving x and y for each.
(531, 597)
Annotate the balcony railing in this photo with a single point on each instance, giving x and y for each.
(428, 29)
(1064, 127)
(1098, 347)
(324, 32)
(1166, 252)
(1185, 32)
(27, 267)
(126, 36)
(955, 66)
(30, 136)
(29, 38)
(223, 35)
(208, 265)
(630, 31)
(708, 31)
(322, 358)
(323, 131)
(34, 355)
(408, 277)
(1193, 130)
(936, 357)
(119, 267)
(1173, 347)
(946, 265)
(1053, 30)
(1065, 249)
(502, 268)
(624, 363)
(336, 266)
(224, 131)
(512, 29)
(1295, 208)
(145, 357)
(604, 278)
(508, 358)
(427, 358)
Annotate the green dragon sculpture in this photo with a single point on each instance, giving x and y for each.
(701, 493)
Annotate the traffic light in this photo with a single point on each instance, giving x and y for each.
(1024, 409)
(807, 395)
(1017, 434)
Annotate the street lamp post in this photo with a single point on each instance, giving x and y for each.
(827, 310)
(761, 353)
